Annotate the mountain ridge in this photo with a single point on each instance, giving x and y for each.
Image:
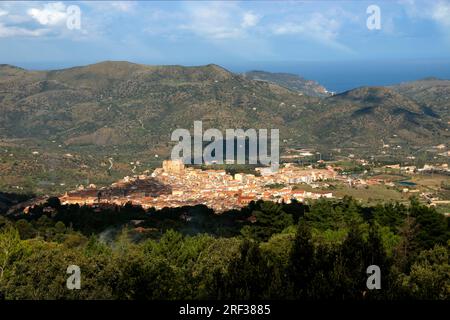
(118, 102)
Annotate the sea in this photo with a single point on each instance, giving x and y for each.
(340, 76)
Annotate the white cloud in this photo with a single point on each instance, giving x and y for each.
(410, 8)
(35, 19)
(107, 6)
(249, 20)
(287, 28)
(218, 20)
(211, 21)
(124, 6)
(317, 27)
(440, 13)
(51, 14)
(6, 31)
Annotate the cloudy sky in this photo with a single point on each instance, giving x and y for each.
(36, 34)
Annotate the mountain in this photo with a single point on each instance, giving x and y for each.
(291, 82)
(113, 103)
(100, 122)
(432, 93)
(368, 115)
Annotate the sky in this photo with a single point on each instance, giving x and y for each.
(47, 35)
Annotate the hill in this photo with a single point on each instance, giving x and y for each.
(99, 122)
(432, 93)
(370, 114)
(118, 102)
(290, 81)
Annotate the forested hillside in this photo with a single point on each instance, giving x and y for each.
(264, 251)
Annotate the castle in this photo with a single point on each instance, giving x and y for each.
(173, 166)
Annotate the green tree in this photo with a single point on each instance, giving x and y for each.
(301, 267)
(10, 248)
(323, 216)
(53, 202)
(430, 275)
(270, 219)
(434, 227)
(407, 247)
(247, 277)
(212, 263)
(25, 229)
(351, 266)
(390, 214)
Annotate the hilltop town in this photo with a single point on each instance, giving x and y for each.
(175, 185)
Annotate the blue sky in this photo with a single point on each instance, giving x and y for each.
(35, 34)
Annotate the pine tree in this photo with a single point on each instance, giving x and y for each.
(302, 260)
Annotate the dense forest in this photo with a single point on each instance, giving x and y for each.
(263, 251)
